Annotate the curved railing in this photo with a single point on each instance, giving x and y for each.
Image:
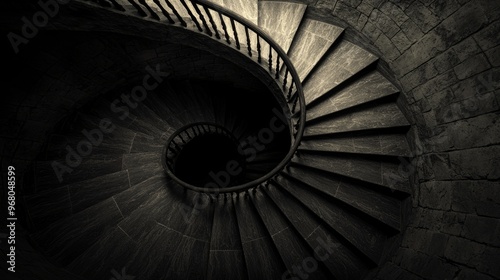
(236, 31)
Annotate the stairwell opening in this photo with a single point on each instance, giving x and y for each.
(241, 136)
(210, 158)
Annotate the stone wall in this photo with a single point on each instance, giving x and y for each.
(445, 54)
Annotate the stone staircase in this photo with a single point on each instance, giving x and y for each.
(334, 212)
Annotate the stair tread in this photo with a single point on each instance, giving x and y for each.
(190, 260)
(366, 238)
(245, 8)
(382, 173)
(51, 205)
(65, 239)
(262, 260)
(340, 260)
(367, 88)
(381, 207)
(157, 248)
(311, 42)
(46, 177)
(280, 20)
(144, 143)
(115, 143)
(114, 249)
(391, 144)
(290, 245)
(344, 61)
(384, 115)
(226, 260)
(133, 197)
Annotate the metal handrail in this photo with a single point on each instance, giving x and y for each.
(281, 68)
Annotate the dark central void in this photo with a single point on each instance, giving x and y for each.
(210, 160)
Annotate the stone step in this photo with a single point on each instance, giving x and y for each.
(111, 252)
(157, 105)
(338, 65)
(390, 174)
(245, 8)
(248, 9)
(191, 259)
(142, 230)
(366, 238)
(311, 42)
(280, 20)
(330, 247)
(52, 205)
(119, 113)
(196, 97)
(291, 246)
(368, 87)
(45, 176)
(144, 143)
(226, 260)
(91, 143)
(374, 143)
(64, 240)
(382, 208)
(375, 115)
(262, 259)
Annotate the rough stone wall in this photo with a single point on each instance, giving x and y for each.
(445, 54)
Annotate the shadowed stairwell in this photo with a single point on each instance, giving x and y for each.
(315, 185)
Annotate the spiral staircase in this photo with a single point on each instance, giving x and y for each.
(326, 198)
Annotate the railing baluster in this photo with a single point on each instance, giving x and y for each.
(224, 27)
(141, 12)
(163, 11)
(176, 13)
(117, 6)
(182, 138)
(270, 59)
(295, 103)
(259, 58)
(183, 2)
(249, 46)
(235, 34)
(277, 67)
(211, 19)
(200, 15)
(290, 90)
(284, 80)
(150, 10)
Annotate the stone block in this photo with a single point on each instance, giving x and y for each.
(384, 23)
(401, 41)
(476, 163)
(436, 195)
(452, 223)
(394, 12)
(482, 229)
(422, 16)
(472, 66)
(461, 24)
(463, 251)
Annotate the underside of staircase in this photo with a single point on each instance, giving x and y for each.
(336, 211)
